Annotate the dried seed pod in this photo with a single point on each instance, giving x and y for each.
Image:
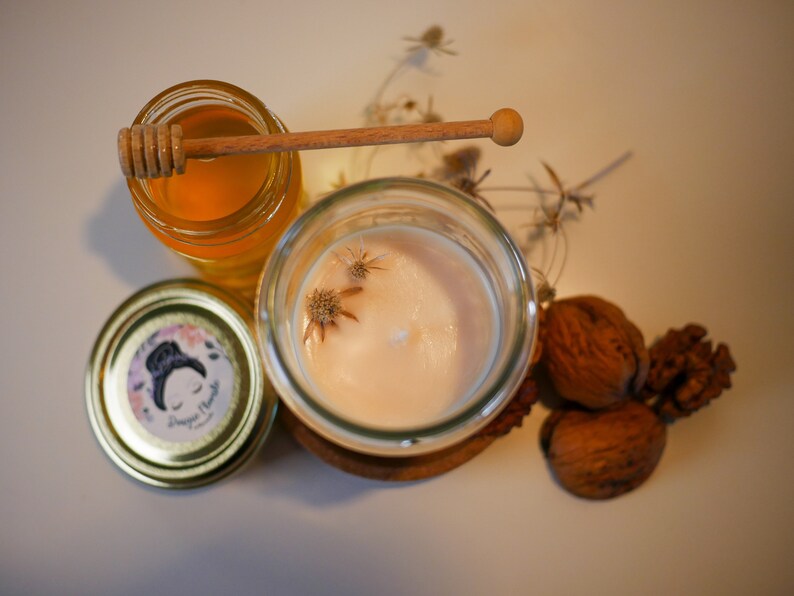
(594, 355)
(604, 453)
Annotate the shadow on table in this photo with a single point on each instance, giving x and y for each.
(285, 469)
(293, 559)
(118, 235)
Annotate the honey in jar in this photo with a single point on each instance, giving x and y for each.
(226, 214)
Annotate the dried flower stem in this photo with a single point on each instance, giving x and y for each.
(554, 216)
(548, 191)
(404, 108)
(459, 168)
(431, 40)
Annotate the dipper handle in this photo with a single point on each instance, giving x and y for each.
(154, 150)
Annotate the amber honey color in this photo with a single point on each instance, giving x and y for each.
(225, 215)
(212, 189)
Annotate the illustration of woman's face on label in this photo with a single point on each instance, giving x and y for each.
(184, 386)
(180, 383)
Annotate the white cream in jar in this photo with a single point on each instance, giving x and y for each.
(426, 333)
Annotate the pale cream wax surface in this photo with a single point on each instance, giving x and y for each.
(426, 334)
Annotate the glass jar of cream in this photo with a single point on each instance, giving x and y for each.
(396, 317)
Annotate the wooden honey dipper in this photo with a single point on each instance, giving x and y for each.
(154, 150)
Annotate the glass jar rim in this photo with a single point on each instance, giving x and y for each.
(260, 209)
(487, 402)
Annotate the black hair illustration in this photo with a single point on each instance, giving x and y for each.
(162, 361)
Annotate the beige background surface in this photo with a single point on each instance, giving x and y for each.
(697, 226)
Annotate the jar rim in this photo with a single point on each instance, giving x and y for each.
(485, 404)
(259, 209)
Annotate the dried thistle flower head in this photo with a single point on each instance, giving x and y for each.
(461, 161)
(459, 169)
(358, 265)
(470, 186)
(323, 306)
(432, 39)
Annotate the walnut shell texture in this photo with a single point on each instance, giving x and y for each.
(593, 354)
(604, 453)
(686, 373)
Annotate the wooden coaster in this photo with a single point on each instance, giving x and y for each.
(417, 467)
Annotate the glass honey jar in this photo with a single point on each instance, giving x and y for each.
(224, 215)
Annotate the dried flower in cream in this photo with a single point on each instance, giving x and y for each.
(323, 306)
(358, 265)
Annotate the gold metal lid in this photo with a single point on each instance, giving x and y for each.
(175, 389)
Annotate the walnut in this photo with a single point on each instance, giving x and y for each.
(604, 453)
(594, 355)
(685, 374)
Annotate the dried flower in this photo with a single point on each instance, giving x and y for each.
(432, 39)
(470, 186)
(358, 265)
(558, 202)
(553, 216)
(552, 219)
(574, 195)
(545, 291)
(459, 162)
(459, 169)
(383, 110)
(428, 115)
(323, 306)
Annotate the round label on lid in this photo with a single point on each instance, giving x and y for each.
(180, 383)
(175, 389)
